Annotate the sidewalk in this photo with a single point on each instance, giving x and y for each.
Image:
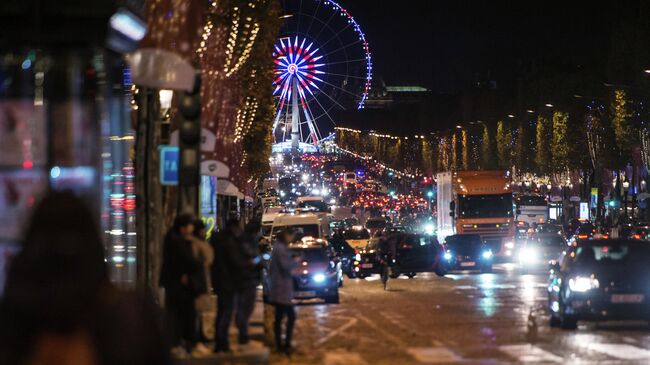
(254, 353)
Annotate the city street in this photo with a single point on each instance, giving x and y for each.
(464, 318)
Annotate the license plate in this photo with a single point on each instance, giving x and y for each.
(627, 298)
(305, 294)
(468, 263)
(366, 266)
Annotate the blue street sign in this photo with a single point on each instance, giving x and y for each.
(168, 165)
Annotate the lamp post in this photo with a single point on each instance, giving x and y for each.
(626, 187)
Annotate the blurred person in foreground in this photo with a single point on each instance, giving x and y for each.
(59, 306)
(251, 272)
(181, 277)
(281, 289)
(205, 255)
(227, 272)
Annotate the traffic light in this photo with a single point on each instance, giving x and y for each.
(189, 143)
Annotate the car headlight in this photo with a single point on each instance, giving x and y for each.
(357, 257)
(318, 278)
(448, 256)
(528, 255)
(509, 245)
(583, 284)
(487, 254)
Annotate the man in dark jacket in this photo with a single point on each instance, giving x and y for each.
(179, 277)
(247, 291)
(227, 272)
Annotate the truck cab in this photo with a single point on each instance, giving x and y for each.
(479, 203)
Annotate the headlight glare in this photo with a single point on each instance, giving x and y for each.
(583, 284)
(319, 278)
(448, 255)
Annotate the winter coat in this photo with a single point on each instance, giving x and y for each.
(179, 260)
(250, 249)
(281, 280)
(205, 254)
(229, 263)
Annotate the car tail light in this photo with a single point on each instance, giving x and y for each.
(583, 236)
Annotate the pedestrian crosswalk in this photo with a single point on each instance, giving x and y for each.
(588, 353)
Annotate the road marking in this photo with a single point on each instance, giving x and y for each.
(344, 327)
(530, 353)
(340, 357)
(433, 355)
(620, 351)
(387, 334)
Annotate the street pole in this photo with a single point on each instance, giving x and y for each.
(189, 143)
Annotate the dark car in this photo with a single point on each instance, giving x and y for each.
(539, 249)
(415, 253)
(585, 231)
(319, 274)
(376, 224)
(600, 280)
(467, 251)
(396, 229)
(549, 229)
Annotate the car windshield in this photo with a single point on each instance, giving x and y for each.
(586, 229)
(266, 230)
(342, 247)
(316, 205)
(531, 200)
(356, 234)
(485, 206)
(375, 223)
(554, 241)
(463, 240)
(303, 230)
(549, 228)
(311, 254)
(619, 254)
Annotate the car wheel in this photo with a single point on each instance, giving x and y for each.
(440, 271)
(554, 321)
(411, 275)
(569, 323)
(333, 299)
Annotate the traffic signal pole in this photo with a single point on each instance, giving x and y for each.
(189, 142)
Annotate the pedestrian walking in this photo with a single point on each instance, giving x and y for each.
(59, 306)
(226, 278)
(281, 289)
(181, 276)
(247, 291)
(205, 255)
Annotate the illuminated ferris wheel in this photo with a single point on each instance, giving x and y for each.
(322, 66)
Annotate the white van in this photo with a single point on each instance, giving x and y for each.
(305, 225)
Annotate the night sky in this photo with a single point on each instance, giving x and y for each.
(446, 45)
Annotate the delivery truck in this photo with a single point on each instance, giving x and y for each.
(477, 202)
